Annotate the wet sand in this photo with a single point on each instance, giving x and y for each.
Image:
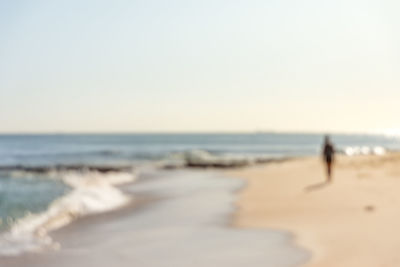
(76, 236)
(352, 222)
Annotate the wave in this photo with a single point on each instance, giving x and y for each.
(205, 159)
(363, 150)
(92, 192)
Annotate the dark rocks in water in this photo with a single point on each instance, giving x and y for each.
(235, 164)
(216, 165)
(205, 159)
(46, 169)
(232, 163)
(221, 163)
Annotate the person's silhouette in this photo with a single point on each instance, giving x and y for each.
(328, 156)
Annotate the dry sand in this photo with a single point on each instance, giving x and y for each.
(353, 221)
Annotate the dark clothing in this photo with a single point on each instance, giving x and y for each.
(328, 153)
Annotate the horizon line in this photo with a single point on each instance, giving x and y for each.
(192, 132)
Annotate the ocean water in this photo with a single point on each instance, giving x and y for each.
(47, 181)
(39, 150)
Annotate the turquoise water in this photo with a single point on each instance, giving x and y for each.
(22, 194)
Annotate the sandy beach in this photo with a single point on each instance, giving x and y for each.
(350, 222)
(285, 215)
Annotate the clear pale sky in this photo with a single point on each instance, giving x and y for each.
(209, 65)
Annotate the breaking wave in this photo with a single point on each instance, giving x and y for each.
(92, 192)
(204, 159)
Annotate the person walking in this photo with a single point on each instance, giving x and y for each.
(328, 157)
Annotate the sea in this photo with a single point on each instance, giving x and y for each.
(49, 180)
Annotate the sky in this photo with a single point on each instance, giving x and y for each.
(199, 66)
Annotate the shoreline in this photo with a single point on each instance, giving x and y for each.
(68, 235)
(45, 230)
(289, 197)
(202, 206)
(350, 222)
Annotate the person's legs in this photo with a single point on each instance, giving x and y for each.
(329, 170)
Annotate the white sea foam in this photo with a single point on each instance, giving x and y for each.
(189, 225)
(91, 193)
(364, 150)
(204, 158)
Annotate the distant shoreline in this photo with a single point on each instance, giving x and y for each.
(321, 133)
